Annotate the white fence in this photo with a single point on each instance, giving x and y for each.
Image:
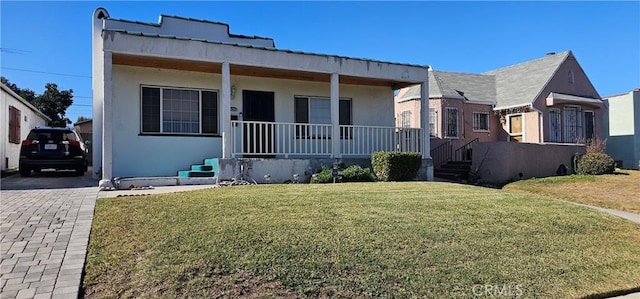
(251, 138)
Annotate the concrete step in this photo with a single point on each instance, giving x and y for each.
(201, 168)
(128, 183)
(196, 174)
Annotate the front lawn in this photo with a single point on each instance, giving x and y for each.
(434, 240)
(619, 191)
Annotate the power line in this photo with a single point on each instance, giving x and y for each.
(41, 72)
(13, 51)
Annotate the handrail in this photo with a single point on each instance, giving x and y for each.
(441, 154)
(460, 155)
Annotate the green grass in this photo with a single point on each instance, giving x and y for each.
(355, 240)
(617, 191)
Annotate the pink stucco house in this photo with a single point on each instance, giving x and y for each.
(548, 100)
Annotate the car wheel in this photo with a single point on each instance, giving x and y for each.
(25, 172)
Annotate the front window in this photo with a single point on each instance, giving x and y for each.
(515, 127)
(481, 121)
(433, 120)
(451, 120)
(589, 125)
(317, 110)
(572, 125)
(406, 118)
(179, 111)
(555, 125)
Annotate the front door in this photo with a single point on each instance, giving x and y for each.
(258, 106)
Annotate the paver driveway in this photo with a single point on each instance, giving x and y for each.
(45, 221)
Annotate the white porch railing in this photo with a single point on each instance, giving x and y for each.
(294, 139)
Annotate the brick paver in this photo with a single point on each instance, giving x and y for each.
(45, 222)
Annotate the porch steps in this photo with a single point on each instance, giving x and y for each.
(453, 170)
(209, 169)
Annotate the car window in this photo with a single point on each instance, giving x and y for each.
(56, 136)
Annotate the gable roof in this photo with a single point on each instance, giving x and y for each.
(452, 85)
(521, 84)
(471, 87)
(512, 86)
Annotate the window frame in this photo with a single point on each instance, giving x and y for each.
(556, 136)
(14, 125)
(578, 126)
(522, 126)
(487, 121)
(446, 122)
(300, 134)
(405, 118)
(161, 131)
(433, 121)
(593, 123)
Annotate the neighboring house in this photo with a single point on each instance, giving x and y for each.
(171, 94)
(18, 117)
(623, 140)
(84, 126)
(85, 129)
(546, 100)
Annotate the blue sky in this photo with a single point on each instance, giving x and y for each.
(55, 37)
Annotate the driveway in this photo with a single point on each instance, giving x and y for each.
(45, 221)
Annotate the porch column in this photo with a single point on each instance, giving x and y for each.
(335, 116)
(225, 111)
(107, 119)
(424, 119)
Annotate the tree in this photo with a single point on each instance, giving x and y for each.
(53, 102)
(82, 118)
(26, 93)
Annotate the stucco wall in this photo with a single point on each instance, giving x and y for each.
(139, 155)
(580, 87)
(501, 162)
(10, 152)
(623, 141)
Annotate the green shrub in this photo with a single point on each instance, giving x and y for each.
(396, 166)
(595, 163)
(352, 173)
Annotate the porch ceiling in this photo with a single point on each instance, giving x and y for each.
(244, 70)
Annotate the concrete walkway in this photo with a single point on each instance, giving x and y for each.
(626, 215)
(45, 226)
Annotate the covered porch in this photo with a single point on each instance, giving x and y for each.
(257, 92)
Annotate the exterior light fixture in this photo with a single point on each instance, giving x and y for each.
(233, 91)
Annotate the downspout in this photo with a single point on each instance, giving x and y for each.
(541, 126)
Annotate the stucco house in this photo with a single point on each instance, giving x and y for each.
(623, 134)
(171, 94)
(549, 100)
(18, 117)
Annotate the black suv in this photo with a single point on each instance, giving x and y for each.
(59, 148)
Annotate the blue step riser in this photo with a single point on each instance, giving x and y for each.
(209, 169)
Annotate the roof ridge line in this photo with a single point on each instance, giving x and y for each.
(528, 61)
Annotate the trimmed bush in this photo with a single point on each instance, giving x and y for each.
(595, 163)
(352, 173)
(396, 166)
